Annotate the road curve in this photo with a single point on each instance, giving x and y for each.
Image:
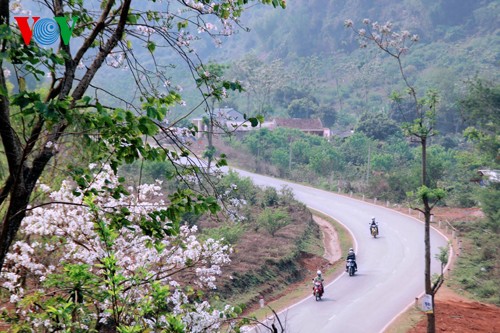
(390, 268)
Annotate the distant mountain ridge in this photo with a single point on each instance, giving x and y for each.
(315, 27)
(459, 40)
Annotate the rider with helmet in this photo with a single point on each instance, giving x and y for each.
(351, 255)
(374, 224)
(319, 278)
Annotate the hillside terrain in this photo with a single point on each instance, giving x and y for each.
(106, 227)
(307, 44)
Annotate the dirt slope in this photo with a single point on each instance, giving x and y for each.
(455, 313)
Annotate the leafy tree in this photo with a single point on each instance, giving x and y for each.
(481, 111)
(302, 108)
(34, 122)
(213, 74)
(355, 149)
(239, 187)
(261, 81)
(490, 203)
(322, 159)
(284, 95)
(377, 126)
(270, 197)
(327, 114)
(282, 158)
(273, 219)
(382, 162)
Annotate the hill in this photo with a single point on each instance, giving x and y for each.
(305, 53)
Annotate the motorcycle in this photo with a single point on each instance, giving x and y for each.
(350, 267)
(374, 231)
(318, 290)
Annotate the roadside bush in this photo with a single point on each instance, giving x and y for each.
(477, 269)
(273, 220)
(270, 197)
(228, 234)
(286, 196)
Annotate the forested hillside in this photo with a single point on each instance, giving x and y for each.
(302, 62)
(315, 62)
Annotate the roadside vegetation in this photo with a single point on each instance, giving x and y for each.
(477, 271)
(270, 232)
(91, 242)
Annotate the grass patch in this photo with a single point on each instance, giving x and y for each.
(230, 233)
(303, 288)
(310, 244)
(477, 270)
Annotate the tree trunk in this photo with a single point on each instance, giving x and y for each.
(22, 179)
(431, 322)
(19, 200)
(431, 325)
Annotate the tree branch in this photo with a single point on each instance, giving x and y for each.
(101, 56)
(100, 25)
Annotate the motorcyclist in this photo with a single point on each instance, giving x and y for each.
(351, 255)
(374, 224)
(319, 278)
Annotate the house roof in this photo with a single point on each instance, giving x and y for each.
(493, 175)
(228, 114)
(300, 123)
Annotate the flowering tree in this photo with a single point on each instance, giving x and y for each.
(396, 44)
(34, 123)
(101, 260)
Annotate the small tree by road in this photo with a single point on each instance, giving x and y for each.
(273, 220)
(396, 44)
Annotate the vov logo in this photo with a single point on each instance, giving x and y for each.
(45, 31)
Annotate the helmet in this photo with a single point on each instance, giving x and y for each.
(318, 272)
(373, 218)
(351, 250)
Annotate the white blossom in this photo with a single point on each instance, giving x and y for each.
(70, 230)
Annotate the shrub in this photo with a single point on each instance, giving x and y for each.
(273, 220)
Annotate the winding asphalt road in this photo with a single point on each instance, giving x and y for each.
(390, 268)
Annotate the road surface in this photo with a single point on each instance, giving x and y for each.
(390, 268)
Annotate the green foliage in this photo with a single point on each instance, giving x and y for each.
(424, 193)
(482, 112)
(439, 164)
(355, 149)
(228, 233)
(442, 256)
(477, 270)
(382, 162)
(272, 219)
(270, 197)
(238, 187)
(377, 126)
(424, 125)
(302, 108)
(490, 204)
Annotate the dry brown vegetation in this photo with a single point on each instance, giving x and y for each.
(266, 265)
